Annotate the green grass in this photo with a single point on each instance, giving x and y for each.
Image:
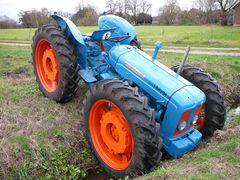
(15, 62)
(27, 34)
(43, 139)
(40, 138)
(217, 159)
(49, 164)
(225, 69)
(199, 36)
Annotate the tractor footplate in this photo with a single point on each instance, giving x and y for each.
(87, 75)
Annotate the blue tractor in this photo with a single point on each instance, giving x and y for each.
(136, 108)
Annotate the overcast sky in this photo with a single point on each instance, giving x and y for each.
(12, 7)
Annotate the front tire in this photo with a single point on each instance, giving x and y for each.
(121, 130)
(213, 113)
(55, 65)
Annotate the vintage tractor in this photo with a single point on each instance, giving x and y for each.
(135, 107)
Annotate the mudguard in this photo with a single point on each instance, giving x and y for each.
(75, 37)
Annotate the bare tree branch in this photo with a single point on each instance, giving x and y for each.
(226, 6)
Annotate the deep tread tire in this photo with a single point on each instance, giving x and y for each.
(140, 118)
(215, 103)
(68, 67)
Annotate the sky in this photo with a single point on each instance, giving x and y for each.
(12, 7)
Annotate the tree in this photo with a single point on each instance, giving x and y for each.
(206, 10)
(43, 16)
(169, 13)
(126, 7)
(34, 18)
(111, 6)
(206, 5)
(119, 7)
(134, 9)
(226, 6)
(186, 18)
(26, 19)
(145, 7)
(143, 18)
(6, 22)
(130, 9)
(85, 16)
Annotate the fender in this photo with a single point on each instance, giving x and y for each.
(75, 37)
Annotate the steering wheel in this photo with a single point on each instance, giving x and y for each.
(118, 38)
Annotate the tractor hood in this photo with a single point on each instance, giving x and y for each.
(153, 77)
(167, 88)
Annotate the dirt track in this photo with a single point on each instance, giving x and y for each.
(195, 50)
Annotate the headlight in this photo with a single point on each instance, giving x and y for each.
(195, 119)
(182, 126)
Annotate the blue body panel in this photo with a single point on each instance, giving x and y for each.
(187, 98)
(98, 35)
(169, 94)
(180, 146)
(165, 87)
(121, 26)
(156, 75)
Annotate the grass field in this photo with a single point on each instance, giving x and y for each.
(198, 36)
(216, 159)
(41, 139)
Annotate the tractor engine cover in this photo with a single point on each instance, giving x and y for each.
(154, 78)
(166, 87)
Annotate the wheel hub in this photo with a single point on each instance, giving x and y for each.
(110, 134)
(46, 65)
(50, 64)
(113, 132)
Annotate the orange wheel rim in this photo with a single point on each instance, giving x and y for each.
(202, 117)
(46, 65)
(111, 135)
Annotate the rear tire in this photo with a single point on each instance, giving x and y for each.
(215, 105)
(55, 65)
(139, 116)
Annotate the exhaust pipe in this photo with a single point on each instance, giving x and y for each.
(183, 60)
